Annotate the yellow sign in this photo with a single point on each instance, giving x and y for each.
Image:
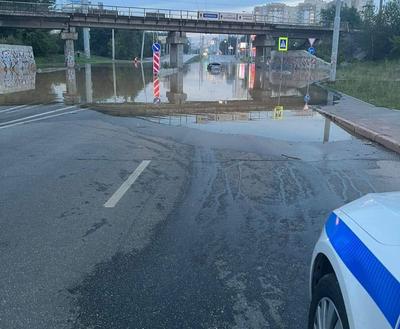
(278, 112)
(283, 44)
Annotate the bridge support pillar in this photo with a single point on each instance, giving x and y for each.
(176, 94)
(176, 40)
(69, 36)
(264, 44)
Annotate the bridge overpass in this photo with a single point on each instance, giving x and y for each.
(176, 22)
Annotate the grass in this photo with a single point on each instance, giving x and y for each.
(377, 83)
(58, 60)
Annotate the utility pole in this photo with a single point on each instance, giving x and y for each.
(113, 44)
(335, 41)
(86, 42)
(141, 53)
(86, 31)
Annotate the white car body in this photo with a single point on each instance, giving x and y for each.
(361, 241)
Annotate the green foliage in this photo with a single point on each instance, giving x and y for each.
(376, 34)
(128, 43)
(186, 47)
(395, 41)
(43, 42)
(224, 45)
(349, 15)
(375, 82)
(379, 31)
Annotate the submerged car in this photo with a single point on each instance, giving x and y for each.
(355, 269)
(214, 67)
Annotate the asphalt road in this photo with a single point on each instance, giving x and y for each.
(217, 230)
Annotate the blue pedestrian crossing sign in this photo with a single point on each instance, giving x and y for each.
(311, 50)
(156, 47)
(283, 44)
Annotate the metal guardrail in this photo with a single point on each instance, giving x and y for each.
(151, 13)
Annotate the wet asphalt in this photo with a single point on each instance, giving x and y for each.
(217, 232)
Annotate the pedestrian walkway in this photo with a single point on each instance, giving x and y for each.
(378, 124)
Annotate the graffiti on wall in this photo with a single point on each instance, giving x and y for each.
(14, 81)
(14, 58)
(300, 65)
(297, 60)
(17, 68)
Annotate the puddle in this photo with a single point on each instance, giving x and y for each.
(291, 125)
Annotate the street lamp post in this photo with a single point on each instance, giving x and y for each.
(335, 41)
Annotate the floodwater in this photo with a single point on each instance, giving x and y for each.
(292, 126)
(241, 98)
(119, 83)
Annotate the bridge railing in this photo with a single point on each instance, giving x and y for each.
(146, 13)
(23, 7)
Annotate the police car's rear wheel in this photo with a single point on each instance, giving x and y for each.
(327, 310)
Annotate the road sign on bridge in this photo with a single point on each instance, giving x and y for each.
(283, 44)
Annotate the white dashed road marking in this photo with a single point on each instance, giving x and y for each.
(13, 108)
(38, 119)
(126, 185)
(36, 115)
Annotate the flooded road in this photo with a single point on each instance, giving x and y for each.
(119, 83)
(216, 198)
(295, 126)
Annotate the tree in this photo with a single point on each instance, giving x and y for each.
(374, 33)
(43, 42)
(226, 43)
(379, 30)
(100, 41)
(395, 41)
(349, 15)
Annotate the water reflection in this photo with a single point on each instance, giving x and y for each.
(71, 95)
(126, 83)
(305, 126)
(327, 130)
(175, 95)
(88, 83)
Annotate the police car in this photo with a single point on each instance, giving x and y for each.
(355, 270)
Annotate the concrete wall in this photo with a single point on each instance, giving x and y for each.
(299, 65)
(297, 59)
(16, 58)
(14, 81)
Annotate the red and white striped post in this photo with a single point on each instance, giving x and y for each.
(156, 69)
(156, 86)
(156, 62)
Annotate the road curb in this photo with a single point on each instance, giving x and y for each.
(363, 131)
